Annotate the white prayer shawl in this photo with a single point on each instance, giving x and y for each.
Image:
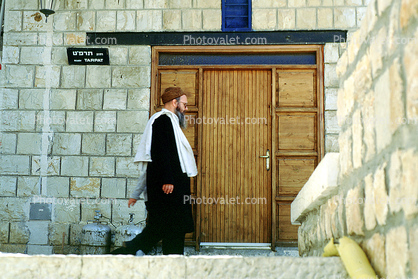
(143, 154)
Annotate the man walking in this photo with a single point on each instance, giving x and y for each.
(166, 162)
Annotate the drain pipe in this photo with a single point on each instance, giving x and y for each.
(3, 5)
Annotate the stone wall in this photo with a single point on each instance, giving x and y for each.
(377, 199)
(69, 133)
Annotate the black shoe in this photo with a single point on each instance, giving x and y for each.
(124, 250)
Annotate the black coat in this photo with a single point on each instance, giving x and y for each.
(167, 210)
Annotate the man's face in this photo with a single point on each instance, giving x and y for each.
(180, 109)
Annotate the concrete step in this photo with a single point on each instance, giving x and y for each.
(107, 266)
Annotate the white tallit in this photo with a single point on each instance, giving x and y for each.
(143, 154)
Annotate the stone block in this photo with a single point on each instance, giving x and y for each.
(8, 143)
(65, 21)
(89, 207)
(35, 21)
(409, 183)
(369, 209)
(342, 65)
(52, 166)
(120, 212)
(115, 4)
(67, 144)
(369, 126)
(205, 4)
(354, 216)
(85, 187)
(212, 20)
(31, 98)
(353, 2)
(13, 248)
(86, 21)
(354, 44)
(331, 123)
(331, 78)
(375, 251)
(19, 233)
(296, 3)
(331, 53)
(381, 109)
(18, 76)
(331, 143)
(14, 209)
(67, 212)
(345, 143)
(32, 55)
(413, 247)
(63, 99)
(140, 55)
(114, 99)
(106, 21)
(171, 20)
(54, 120)
(131, 121)
(59, 56)
(47, 76)
(129, 77)
(136, 139)
(380, 195)
(325, 18)
(14, 164)
(20, 39)
(411, 70)
(397, 111)
(56, 39)
(286, 19)
(131, 184)
(358, 148)
(378, 51)
(396, 252)
(134, 4)
(75, 233)
(8, 186)
(74, 166)
(361, 14)
(331, 95)
(98, 4)
(126, 21)
(21, 4)
(192, 20)
(10, 55)
(113, 188)
(76, 4)
(79, 121)
(93, 144)
(149, 20)
(119, 144)
(73, 76)
(102, 166)
(58, 187)
(264, 19)
(9, 98)
(105, 121)
(58, 234)
(4, 232)
(395, 176)
(139, 99)
(75, 39)
(269, 3)
(89, 99)
(306, 18)
(19, 121)
(125, 167)
(98, 77)
(363, 77)
(409, 11)
(38, 232)
(118, 55)
(344, 18)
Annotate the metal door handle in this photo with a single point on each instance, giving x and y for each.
(267, 156)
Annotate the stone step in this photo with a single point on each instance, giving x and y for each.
(107, 266)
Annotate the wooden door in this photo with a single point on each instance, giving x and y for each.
(236, 185)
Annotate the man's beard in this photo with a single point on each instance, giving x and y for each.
(182, 119)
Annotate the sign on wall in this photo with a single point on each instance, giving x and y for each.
(88, 56)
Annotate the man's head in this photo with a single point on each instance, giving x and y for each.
(175, 100)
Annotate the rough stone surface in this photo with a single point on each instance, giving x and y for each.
(369, 212)
(380, 196)
(93, 144)
(113, 188)
(396, 252)
(375, 251)
(85, 187)
(409, 183)
(353, 212)
(102, 166)
(74, 166)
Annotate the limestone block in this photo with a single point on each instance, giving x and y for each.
(342, 65)
(59, 56)
(54, 120)
(395, 176)
(354, 44)
(397, 111)
(331, 53)
(331, 98)
(8, 186)
(314, 3)
(58, 187)
(331, 123)
(119, 144)
(47, 76)
(172, 19)
(9, 98)
(67, 144)
(56, 40)
(8, 143)
(331, 143)
(35, 21)
(118, 55)
(358, 148)
(14, 164)
(62, 99)
(354, 2)
(115, 4)
(205, 4)
(113, 188)
(380, 195)
(409, 183)
(31, 98)
(73, 76)
(396, 252)
(264, 19)
(85, 187)
(76, 4)
(22, 121)
(131, 77)
(139, 99)
(98, 4)
(89, 206)
(120, 212)
(131, 121)
(102, 166)
(344, 102)
(269, 3)
(361, 14)
(345, 142)
(140, 55)
(371, 16)
(13, 209)
(212, 20)
(93, 144)
(306, 18)
(22, 4)
(413, 247)
(363, 77)
(98, 77)
(114, 99)
(10, 55)
(381, 109)
(192, 19)
(375, 251)
(339, 2)
(296, 3)
(65, 21)
(126, 167)
(38, 232)
(409, 11)
(18, 76)
(75, 233)
(86, 21)
(353, 212)
(106, 21)
(89, 99)
(19, 233)
(344, 17)
(149, 20)
(369, 126)
(126, 21)
(4, 232)
(20, 39)
(369, 211)
(325, 18)
(79, 121)
(105, 121)
(378, 51)
(411, 70)
(75, 38)
(67, 212)
(74, 166)
(331, 79)
(134, 4)
(57, 233)
(53, 166)
(286, 19)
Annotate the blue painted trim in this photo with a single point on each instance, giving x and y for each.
(229, 15)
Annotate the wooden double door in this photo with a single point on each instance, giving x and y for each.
(256, 134)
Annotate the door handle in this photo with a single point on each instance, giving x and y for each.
(267, 156)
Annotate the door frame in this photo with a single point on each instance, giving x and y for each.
(319, 66)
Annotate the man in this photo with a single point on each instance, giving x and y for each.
(168, 159)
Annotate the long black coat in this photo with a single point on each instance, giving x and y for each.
(167, 210)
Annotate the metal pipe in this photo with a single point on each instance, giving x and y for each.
(3, 5)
